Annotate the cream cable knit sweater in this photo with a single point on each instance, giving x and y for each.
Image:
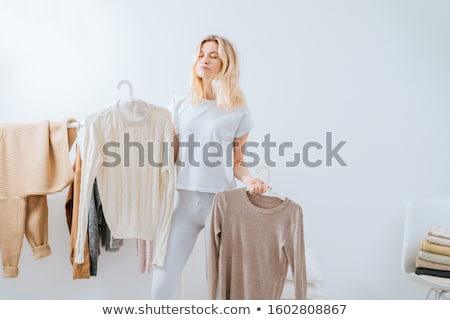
(137, 196)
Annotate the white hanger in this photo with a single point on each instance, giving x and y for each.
(128, 83)
(269, 191)
(79, 125)
(132, 108)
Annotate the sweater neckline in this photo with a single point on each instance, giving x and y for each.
(260, 209)
(132, 122)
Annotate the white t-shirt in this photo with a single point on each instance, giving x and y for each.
(206, 133)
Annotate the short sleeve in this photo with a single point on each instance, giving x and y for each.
(245, 124)
(173, 110)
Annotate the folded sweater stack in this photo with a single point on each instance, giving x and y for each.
(433, 257)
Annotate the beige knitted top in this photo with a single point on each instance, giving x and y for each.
(34, 158)
(253, 240)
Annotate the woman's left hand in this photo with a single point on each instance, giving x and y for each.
(257, 186)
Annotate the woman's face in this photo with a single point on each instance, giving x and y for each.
(208, 62)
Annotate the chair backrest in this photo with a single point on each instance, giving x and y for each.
(421, 216)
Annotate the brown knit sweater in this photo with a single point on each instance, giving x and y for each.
(253, 240)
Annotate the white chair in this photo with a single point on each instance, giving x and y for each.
(421, 216)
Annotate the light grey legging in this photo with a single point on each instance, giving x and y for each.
(191, 214)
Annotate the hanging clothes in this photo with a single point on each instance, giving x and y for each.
(128, 148)
(145, 250)
(34, 162)
(79, 270)
(253, 240)
(99, 234)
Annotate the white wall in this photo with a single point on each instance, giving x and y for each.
(374, 73)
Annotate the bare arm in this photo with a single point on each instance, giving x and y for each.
(175, 143)
(241, 172)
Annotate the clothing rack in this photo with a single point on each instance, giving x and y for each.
(75, 124)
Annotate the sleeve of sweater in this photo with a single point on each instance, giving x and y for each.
(296, 257)
(90, 162)
(214, 247)
(167, 193)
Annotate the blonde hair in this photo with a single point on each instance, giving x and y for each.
(226, 83)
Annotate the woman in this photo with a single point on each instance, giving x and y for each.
(211, 126)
